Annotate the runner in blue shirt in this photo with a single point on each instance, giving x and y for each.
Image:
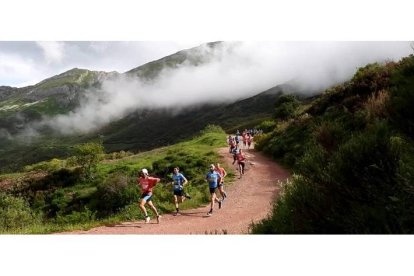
(212, 178)
(178, 188)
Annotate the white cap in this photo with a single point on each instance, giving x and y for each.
(144, 171)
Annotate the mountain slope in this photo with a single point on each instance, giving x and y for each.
(352, 153)
(190, 57)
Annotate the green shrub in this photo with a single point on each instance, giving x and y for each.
(288, 145)
(57, 179)
(57, 202)
(267, 126)
(371, 78)
(362, 187)
(85, 216)
(286, 106)
(115, 193)
(212, 129)
(402, 96)
(15, 213)
(48, 166)
(329, 134)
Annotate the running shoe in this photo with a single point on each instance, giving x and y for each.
(158, 218)
(209, 213)
(188, 196)
(147, 219)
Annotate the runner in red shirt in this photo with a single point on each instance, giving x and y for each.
(244, 139)
(147, 183)
(249, 141)
(241, 162)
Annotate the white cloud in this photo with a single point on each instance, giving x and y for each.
(13, 68)
(238, 71)
(53, 51)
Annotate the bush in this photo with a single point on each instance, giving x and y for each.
(15, 213)
(362, 187)
(287, 145)
(376, 105)
(85, 216)
(402, 96)
(329, 134)
(48, 166)
(371, 78)
(286, 106)
(212, 129)
(267, 126)
(115, 193)
(118, 155)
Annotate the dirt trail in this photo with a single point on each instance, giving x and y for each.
(249, 199)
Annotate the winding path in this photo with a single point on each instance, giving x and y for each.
(249, 200)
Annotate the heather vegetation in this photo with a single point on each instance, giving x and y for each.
(352, 154)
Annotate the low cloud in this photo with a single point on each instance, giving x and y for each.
(234, 71)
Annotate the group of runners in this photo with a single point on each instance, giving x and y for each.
(214, 177)
(246, 137)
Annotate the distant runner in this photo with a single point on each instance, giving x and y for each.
(232, 144)
(147, 183)
(178, 189)
(235, 151)
(249, 141)
(241, 162)
(244, 136)
(212, 178)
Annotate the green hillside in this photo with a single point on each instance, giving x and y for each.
(150, 129)
(352, 153)
(59, 195)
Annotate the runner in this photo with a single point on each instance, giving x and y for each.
(229, 139)
(237, 138)
(241, 159)
(232, 145)
(222, 172)
(244, 137)
(249, 141)
(147, 183)
(235, 151)
(178, 188)
(212, 177)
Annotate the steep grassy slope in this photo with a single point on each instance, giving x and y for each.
(352, 152)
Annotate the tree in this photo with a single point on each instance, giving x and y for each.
(87, 156)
